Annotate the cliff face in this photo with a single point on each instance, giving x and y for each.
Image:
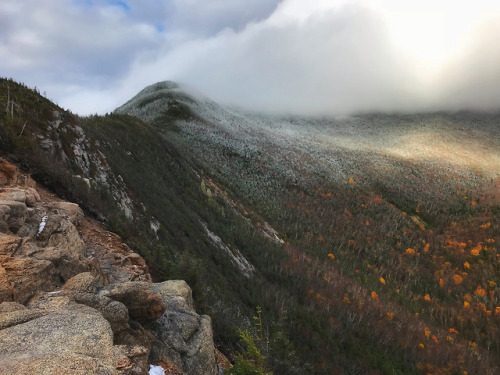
(74, 299)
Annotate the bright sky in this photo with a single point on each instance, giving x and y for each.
(303, 56)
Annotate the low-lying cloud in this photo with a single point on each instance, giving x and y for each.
(325, 57)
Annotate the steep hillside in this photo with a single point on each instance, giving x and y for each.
(390, 222)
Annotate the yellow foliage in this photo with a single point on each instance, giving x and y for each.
(467, 265)
(473, 346)
(421, 346)
(427, 332)
(351, 181)
(382, 281)
(466, 305)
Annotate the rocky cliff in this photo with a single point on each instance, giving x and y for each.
(74, 299)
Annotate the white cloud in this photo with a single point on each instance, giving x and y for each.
(300, 56)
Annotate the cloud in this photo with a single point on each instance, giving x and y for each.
(326, 56)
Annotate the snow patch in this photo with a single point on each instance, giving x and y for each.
(236, 257)
(42, 225)
(155, 225)
(270, 232)
(156, 370)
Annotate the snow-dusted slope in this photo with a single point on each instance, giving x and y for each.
(264, 154)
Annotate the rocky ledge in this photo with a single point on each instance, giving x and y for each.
(74, 299)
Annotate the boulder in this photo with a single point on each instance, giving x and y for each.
(200, 358)
(12, 318)
(60, 233)
(61, 342)
(114, 312)
(13, 194)
(66, 209)
(9, 244)
(22, 278)
(176, 328)
(143, 304)
(12, 215)
(6, 307)
(172, 289)
(182, 330)
(87, 282)
(32, 197)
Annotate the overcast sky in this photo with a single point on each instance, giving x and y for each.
(299, 56)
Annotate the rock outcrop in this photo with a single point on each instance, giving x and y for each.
(74, 299)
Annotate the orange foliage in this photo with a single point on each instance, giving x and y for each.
(480, 291)
(441, 282)
(331, 256)
(410, 251)
(427, 297)
(467, 265)
(477, 249)
(382, 281)
(458, 279)
(374, 296)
